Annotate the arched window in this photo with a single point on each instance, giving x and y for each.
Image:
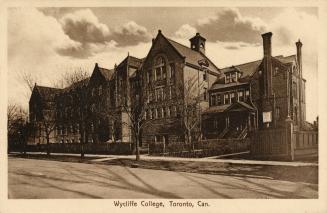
(160, 68)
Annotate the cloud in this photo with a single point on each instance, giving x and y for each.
(227, 25)
(130, 34)
(84, 27)
(236, 45)
(38, 45)
(185, 31)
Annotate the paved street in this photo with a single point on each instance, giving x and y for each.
(30, 178)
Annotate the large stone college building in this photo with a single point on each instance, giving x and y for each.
(233, 100)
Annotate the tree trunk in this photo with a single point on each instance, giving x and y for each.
(48, 145)
(137, 150)
(83, 138)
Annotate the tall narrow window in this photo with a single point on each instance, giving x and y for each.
(247, 94)
(233, 98)
(277, 113)
(100, 90)
(228, 78)
(218, 99)
(172, 70)
(160, 68)
(226, 99)
(240, 96)
(213, 100)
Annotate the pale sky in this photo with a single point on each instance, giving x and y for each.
(47, 42)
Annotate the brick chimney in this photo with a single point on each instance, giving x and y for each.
(267, 69)
(299, 55)
(301, 101)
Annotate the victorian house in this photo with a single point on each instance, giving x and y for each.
(256, 95)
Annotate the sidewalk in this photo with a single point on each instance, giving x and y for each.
(101, 158)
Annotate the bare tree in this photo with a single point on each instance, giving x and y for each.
(191, 107)
(135, 107)
(16, 126)
(71, 77)
(48, 126)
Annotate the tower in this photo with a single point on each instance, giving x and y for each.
(198, 43)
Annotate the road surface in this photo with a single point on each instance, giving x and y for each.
(30, 178)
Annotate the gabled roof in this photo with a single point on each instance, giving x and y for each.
(247, 69)
(81, 83)
(286, 59)
(192, 56)
(106, 73)
(47, 93)
(216, 109)
(239, 106)
(229, 107)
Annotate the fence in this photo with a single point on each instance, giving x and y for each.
(89, 148)
(203, 148)
(306, 143)
(284, 143)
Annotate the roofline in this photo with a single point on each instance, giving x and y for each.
(236, 85)
(258, 60)
(193, 50)
(200, 68)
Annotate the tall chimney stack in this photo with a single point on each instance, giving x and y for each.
(299, 55)
(267, 69)
(299, 62)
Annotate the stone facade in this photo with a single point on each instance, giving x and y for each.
(91, 110)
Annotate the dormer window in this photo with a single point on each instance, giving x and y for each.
(227, 78)
(234, 77)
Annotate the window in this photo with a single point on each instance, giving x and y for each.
(149, 114)
(277, 113)
(170, 93)
(158, 73)
(160, 113)
(234, 77)
(168, 112)
(156, 113)
(100, 90)
(240, 95)
(213, 100)
(160, 68)
(153, 113)
(247, 94)
(77, 128)
(232, 97)
(164, 112)
(174, 111)
(226, 99)
(159, 94)
(172, 70)
(218, 99)
(276, 71)
(227, 78)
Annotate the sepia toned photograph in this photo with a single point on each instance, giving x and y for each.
(181, 104)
